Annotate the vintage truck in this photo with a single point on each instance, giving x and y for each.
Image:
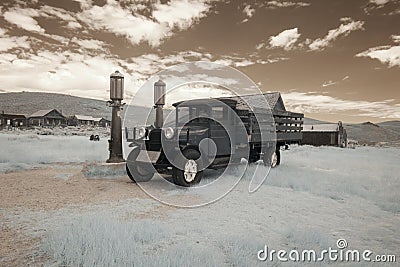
(154, 147)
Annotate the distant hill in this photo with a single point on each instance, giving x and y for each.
(369, 133)
(391, 125)
(30, 102)
(309, 121)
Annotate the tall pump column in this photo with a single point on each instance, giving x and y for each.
(116, 96)
(159, 102)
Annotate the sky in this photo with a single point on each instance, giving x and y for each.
(331, 60)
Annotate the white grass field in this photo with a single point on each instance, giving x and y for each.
(316, 196)
(28, 151)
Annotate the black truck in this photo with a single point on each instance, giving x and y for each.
(160, 148)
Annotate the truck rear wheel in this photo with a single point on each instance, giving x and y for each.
(272, 159)
(276, 159)
(190, 175)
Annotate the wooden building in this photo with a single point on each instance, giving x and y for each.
(8, 120)
(84, 120)
(102, 122)
(324, 135)
(50, 117)
(81, 120)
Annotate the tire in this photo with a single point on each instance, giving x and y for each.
(272, 159)
(138, 174)
(189, 176)
(138, 171)
(278, 154)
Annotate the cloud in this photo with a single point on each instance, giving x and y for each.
(61, 72)
(395, 12)
(165, 18)
(379, 2)
(89, 44)
(260, 45)
(283, 4)
(328, 83)
(9, 42)
(396, 38)
(343, 30)
(23, 18)
(73, 25)
(60, 14)
(149, 64)
(180, 13)
(286, 39)
(58, 72)
(316, 103)
(249, 12)
(244, 63)
(113, 18)
(120, 18)
(235, 61)
(386, 54)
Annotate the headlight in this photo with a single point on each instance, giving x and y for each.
(169, 132)
(141, 132)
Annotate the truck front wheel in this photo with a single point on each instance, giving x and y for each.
(138, 171)
(191, 174)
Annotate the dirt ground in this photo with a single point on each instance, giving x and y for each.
(50, 188)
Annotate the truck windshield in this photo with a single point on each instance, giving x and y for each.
(194, 114)
(182, 115)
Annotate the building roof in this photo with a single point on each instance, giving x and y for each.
(41, 113)
(84, 118)
(273, 99)
(13, 115)
(204, 101)
(328, 127)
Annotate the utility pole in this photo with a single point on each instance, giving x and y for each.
(116, 96)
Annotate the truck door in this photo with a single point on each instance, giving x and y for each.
(220, 134)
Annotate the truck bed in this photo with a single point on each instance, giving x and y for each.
(288, 126)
